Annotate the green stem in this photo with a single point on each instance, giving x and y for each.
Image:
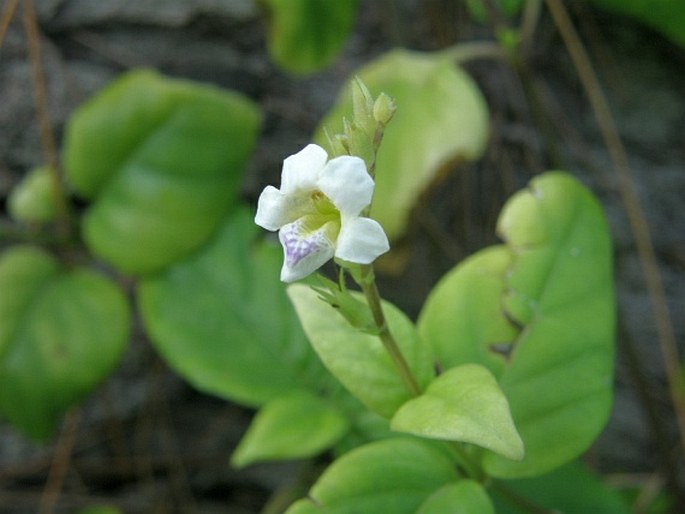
(368, 285)
(470, 468)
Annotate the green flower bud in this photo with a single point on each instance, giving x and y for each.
(362, 107)
(383, 109)
(359, 142)
(362, 101)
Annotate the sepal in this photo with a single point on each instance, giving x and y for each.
(353, 310)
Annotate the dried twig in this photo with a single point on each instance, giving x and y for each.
(60, 462)
(47, 139)
(6, 18)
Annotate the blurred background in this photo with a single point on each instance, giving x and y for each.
(145, 441)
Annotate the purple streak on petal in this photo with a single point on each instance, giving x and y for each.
(297, 246)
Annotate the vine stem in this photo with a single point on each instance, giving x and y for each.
(6, 18)
(370, 290)
(471, 50)
(60, 462)
(634, 211)
(47, 139)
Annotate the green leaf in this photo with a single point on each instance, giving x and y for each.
(463, 497)
(571, 489)
(291, 427)
(666, 16)
(365, 426)
(472, 326)
(441, 118)
(463, 404)
(222, 320)
(561, 290)
(306, 35)
(61, 332)
(394, 475)
(161, 160)
(556, 284)
(358, 359)
(32, 199)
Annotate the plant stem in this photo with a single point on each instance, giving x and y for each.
(6, 18)
(60, 461)
(469, 467)
(368, 285)
(49, 148)
(529, 22)
(470, 50)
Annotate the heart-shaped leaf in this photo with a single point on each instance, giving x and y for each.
(358, 359)
(463, 404)
(160, 160)
(394, 475)
(294, 426)
(561, 289)
(558, 290)
(306, 35)
(441, 118)
(222, 320)
(61, 332)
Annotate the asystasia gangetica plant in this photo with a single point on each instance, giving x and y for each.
(484, 402)
(507, 373)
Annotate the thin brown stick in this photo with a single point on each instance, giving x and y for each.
(634, 211)
(60, 462)
(529, 23)
(47, 140)
(6, 18)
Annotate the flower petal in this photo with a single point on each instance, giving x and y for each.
(347, 183)
(271, 209)
(304, 251)
(301, 170)
(275, 209)
(361, 240)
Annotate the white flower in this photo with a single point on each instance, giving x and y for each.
(317, 212)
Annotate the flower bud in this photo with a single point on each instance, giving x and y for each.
(362, 101)
(384, 108)
(359, 142)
